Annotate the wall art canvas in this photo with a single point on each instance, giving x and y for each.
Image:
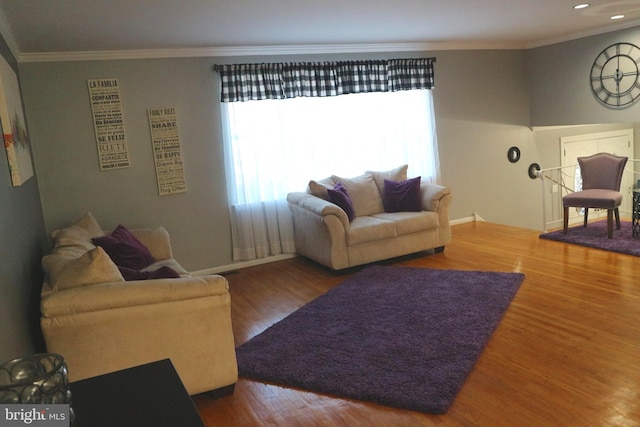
(14, 128)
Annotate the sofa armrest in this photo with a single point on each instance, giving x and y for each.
(433, 195)
(114, 295)
(112, 326)
(318, 206)
(320, 229)
(157, 240)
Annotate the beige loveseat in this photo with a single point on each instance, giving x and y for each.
(101, 323)
(325, 233)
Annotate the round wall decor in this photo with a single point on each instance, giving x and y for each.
(513, 154)
(615, 75)
(534, 168)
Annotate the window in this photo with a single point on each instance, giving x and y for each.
(287, 123)
(277, 146)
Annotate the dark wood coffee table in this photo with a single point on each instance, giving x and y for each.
(147, 395)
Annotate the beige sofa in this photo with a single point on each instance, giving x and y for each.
(325, 233)
(101, 323)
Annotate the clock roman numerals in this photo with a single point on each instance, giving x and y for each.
(615, 75)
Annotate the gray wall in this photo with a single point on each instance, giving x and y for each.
(560, 86)
(23, 243)
(481, 109)
(57, 102)
(486, 102)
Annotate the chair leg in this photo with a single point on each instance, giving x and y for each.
(565, 220)
(586, 216)
(617, 214)
(609, 223)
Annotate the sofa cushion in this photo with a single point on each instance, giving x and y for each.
(75, 240)
(369, 229)
(340, 197)
(95, 266)
(364, 194)
(164, 272)
(157, 240)
(402, 196)
(175, 266)
(125, 249)
(411, 222)
(396, 174)
(319, 188)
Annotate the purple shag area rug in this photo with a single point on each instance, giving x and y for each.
(397, 336)
(594, 235)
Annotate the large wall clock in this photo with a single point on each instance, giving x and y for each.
(615, 75)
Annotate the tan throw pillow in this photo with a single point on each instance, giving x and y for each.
(76, 239)
(92, 268)
(364, 194)
(397, 174)
(319, 188)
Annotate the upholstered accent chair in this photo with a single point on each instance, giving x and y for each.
(601, 178)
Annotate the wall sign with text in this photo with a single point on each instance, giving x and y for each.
(108, 122)
(167, 151)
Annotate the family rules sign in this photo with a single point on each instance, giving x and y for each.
(108, 122)
(167, 150)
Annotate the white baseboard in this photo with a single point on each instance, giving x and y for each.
(244, 264)
(473, 218)
(462, 220)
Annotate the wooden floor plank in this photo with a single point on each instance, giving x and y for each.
(566, 353)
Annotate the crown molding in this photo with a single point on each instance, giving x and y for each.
(279, 50)
(257, 51)
(583, 34)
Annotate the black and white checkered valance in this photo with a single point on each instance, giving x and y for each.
(247, 82)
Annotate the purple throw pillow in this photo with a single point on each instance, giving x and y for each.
(402, 196)
(339, 196)
(124, 249)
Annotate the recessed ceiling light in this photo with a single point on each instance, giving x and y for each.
(581, 6)
(617, 17)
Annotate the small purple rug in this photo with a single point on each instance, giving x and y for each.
(397, 336)
(594, 235)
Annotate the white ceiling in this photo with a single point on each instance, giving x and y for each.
(63, 26)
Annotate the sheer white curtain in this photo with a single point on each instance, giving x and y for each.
(273, 147)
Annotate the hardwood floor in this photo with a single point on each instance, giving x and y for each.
(567, 352)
